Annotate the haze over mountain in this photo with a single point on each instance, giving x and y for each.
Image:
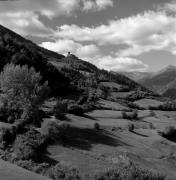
(162, 82)
(136, 75)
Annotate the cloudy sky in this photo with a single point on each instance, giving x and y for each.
(119, 35)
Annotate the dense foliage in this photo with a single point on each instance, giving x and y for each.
(28, 145)
(128, 172)
(22, 91)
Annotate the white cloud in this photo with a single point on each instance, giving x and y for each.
(93, 54)
(25, 23)
(54, 7)
(121, 64)
(22, 16)
(64, 46)
(96, 5)
(142, 33)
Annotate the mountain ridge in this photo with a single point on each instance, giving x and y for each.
(162, 82)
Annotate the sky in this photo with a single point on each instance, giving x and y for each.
(117, 35)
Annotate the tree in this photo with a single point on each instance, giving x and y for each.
(22, 90)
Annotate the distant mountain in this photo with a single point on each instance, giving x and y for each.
(65, 75)
(163, 82)
(136, 76)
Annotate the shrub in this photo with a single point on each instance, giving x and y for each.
(97, 126)
(135, 106)
(152, 113)
(63, 172)
(128, 172)
(33, 166)
(5, 136)
(60, 109)
(54, 131)
(130, 127)
(22, 91)
(75, 109)
(28, 145)
(151, 126)
(50, 129)
(11, 119)
(169, 132)
(130, 115)
(124, 115)
(20, 125)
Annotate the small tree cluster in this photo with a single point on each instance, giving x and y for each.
(54, 131)
(28, 145)
(63, 172)
(67, 106)
(22, 92)
(169, 106)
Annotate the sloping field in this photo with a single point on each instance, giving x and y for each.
(91, 151)
(120, 95)
(111, 84)
(104, 104)
(145, 103)
(12, 172)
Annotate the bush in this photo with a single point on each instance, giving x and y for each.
(75, 109)
(168, 106)
(60, 109)
(97, 126)
(33, 166)
(134, 106)
(130, 115)
(130, 127)
(128, 172)
(151, 126)
(50, 129)
(152, 113)
(63, 172)
(28, 145)
(169, 132)
(54, 131)
(7, 135)
(124, 115)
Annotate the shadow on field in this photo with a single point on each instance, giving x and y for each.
(44, 158)
(89, 117)
(172, 138)
(139, 134)
(85, 138)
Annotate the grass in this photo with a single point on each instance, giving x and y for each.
(145, 103)
(91, 151)
(9, 171)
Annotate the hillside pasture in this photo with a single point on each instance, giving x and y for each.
(105, 104)
(91, 151)
(146, 103)
(120, 95)
(111, 85)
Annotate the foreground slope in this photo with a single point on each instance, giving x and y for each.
(13, 172)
